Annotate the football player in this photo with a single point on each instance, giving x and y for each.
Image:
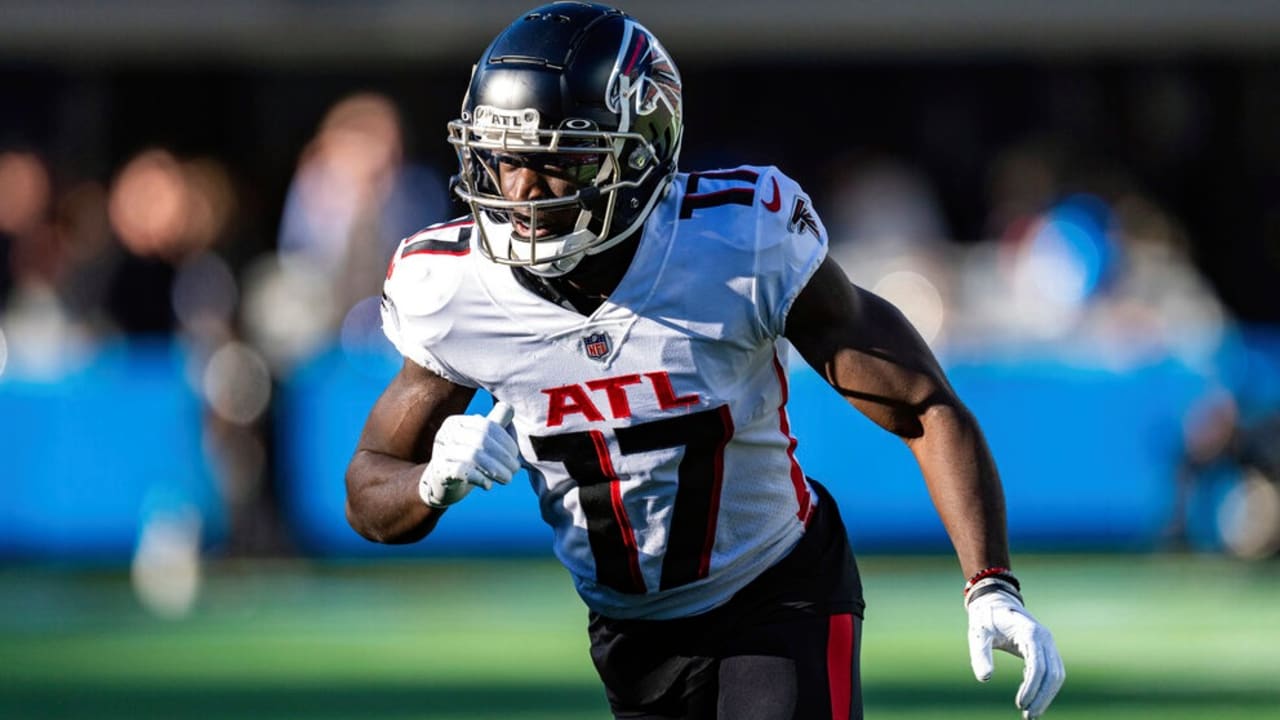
(626, 317)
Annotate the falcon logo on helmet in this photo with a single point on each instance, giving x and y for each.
(645, 76)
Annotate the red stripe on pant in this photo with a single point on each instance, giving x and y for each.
(840, 664)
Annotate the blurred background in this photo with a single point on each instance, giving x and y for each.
(1077, 204)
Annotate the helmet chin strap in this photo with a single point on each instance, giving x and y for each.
(576, 240)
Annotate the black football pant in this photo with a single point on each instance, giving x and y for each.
(785, 647)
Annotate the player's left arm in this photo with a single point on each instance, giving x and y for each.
(868, 351)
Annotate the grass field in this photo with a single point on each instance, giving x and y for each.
(1143, 637)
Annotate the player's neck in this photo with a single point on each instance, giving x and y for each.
(599, 275)
(588, 285)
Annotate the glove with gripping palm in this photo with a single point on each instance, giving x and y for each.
(469, 450)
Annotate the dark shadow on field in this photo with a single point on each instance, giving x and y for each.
(334, 702)
(322, 702)
(1144, 702)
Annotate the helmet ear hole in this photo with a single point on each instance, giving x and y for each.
(639, 158)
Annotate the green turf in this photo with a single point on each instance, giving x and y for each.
(1143, 637)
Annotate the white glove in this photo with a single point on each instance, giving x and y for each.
(997, 619)
(469, 450)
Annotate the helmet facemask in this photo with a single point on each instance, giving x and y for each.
(591, 160)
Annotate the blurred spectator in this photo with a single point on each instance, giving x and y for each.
(93, 255)
(164, 210)
(24, 194)
(888, 233)
(1227, 446)
(352, 199)
(44, 336)
(1084, 264)
(1157, 300)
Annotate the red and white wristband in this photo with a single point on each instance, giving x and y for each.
(989, 580)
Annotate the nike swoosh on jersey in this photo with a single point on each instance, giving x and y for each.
(773, 205)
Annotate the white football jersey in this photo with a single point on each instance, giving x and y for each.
(655, 430)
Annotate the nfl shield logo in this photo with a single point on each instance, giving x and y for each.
(596, 345)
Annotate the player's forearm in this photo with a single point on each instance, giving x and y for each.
(964, 485)
(383, 504)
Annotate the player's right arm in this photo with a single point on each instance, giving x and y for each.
(384, 503)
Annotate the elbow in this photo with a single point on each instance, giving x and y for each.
(361, 521)
(362, 512)
(393, 529)
(943, 416)
(944, 408)
(357, 517)
(914, 421)
(383, 510)
(358, 523)
(383, 533)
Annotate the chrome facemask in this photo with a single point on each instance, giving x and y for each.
(493, 134)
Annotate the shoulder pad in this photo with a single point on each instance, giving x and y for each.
(788, 208)
(750, 201)
(452, 239)
(424, 272)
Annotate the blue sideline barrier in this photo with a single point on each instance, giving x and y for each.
(86, 459)
(1087, 454)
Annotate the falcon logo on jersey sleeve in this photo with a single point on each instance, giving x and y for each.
(802, 219)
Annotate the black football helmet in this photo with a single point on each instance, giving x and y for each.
(582, 91)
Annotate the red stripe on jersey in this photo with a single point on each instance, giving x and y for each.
(457, 248)
(713, 512)
(797, 475)
(619, 510)
(840, 664)
(445, 226)
(456, 253)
